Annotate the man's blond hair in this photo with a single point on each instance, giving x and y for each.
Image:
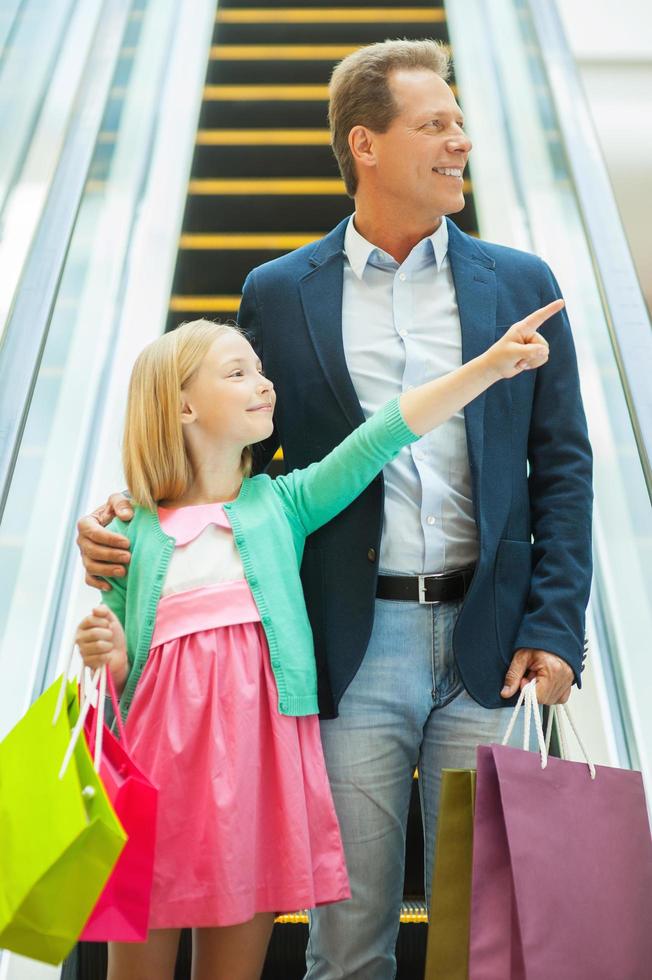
(154, 456)
(359, 92)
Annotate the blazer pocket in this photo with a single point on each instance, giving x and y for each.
(512, 578)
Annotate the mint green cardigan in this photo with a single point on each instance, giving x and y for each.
(271, 520)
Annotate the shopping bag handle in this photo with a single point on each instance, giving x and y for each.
(559, 713)
(528, 699)
(91, 697)
(90, 689)
(97, 725)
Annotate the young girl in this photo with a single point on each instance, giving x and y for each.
(209, 643)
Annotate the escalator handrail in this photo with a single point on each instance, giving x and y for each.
(28, 324)
(625, 308)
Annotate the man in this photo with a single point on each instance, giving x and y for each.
(423, 629)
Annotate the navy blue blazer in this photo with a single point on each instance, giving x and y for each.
(532, 579)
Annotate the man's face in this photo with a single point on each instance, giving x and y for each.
(425, 140)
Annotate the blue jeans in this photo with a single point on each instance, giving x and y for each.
(405, 707)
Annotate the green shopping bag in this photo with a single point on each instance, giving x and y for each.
(59, 837)
(447, 956)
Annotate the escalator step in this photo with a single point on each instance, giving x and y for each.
(352, 34)
(280, 63)
(265, 107)
(228, 212)
(273, 161)
(281, 71)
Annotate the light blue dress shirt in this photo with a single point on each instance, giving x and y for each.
(401, 327)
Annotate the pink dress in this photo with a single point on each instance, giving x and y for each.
(246, 819)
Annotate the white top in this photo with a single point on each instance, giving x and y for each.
(205, 552)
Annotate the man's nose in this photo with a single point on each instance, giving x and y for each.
(460, 144)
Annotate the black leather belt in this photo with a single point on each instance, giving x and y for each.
(426, 589)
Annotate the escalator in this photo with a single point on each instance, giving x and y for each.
(200, 169)
(264, 181)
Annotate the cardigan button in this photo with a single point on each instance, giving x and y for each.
(371, 554)
(283, 706)
(266, 620)
(253, 582)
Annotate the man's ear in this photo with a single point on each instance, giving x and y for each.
(361, 144)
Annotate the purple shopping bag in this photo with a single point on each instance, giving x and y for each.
(562, 870)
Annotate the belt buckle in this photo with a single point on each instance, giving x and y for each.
(422, 592)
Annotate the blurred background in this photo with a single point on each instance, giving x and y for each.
(153, 151)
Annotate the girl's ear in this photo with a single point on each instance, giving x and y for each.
(188, 414)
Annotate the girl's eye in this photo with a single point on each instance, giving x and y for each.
(235, 374)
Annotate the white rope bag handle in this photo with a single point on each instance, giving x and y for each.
(558, 713)
(93, 691)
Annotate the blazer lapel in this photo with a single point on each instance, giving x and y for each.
(321, 298)
(475, 286)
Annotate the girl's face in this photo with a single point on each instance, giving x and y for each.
(229, 398)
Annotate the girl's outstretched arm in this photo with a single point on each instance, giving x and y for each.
(313, 496)
(519, 349)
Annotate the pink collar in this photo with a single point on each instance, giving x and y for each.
(184, 524)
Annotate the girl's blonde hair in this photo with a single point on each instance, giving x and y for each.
(156, 463)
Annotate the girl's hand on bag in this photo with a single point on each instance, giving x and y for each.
(521, 348)
(101, 640)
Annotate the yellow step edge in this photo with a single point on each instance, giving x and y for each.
(204, 304)
(416, 917)
(268, 185)
(352, 15)
(235, 240)
(276, 93)
(263, 137)
(273, 185)
(287, 52)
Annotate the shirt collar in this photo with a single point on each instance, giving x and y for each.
(358, 250)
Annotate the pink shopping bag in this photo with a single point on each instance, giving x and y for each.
(562, 869)
(122, 911)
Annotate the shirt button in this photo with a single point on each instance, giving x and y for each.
(419, 455)
(402, 276)
(371, 554)
(431, 520)
(403, 333)
(409, 387)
